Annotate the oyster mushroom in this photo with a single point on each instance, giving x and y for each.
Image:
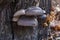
(27, 21)
(18, 14)
(35, 11)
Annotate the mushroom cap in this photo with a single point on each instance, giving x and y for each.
(27, 21)
(43, 16)
(18, 14)
(34, 11)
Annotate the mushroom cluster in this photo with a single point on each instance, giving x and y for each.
(27, 17)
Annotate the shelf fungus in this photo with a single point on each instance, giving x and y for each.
(27, 21)
(28, 17)
(18, 14)
(35, 11)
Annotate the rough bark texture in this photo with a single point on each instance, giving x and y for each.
(8, 29)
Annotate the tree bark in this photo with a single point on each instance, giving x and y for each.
(11, 31)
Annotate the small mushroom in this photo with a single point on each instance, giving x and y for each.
(18, 14)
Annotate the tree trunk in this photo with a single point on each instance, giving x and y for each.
(8, 29)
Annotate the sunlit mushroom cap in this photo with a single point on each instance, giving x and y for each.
(35, 11)
(18, 14)
(27, 21)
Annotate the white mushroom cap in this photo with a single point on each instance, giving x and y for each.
(18, 14)
(27, 21)
(34, 11)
